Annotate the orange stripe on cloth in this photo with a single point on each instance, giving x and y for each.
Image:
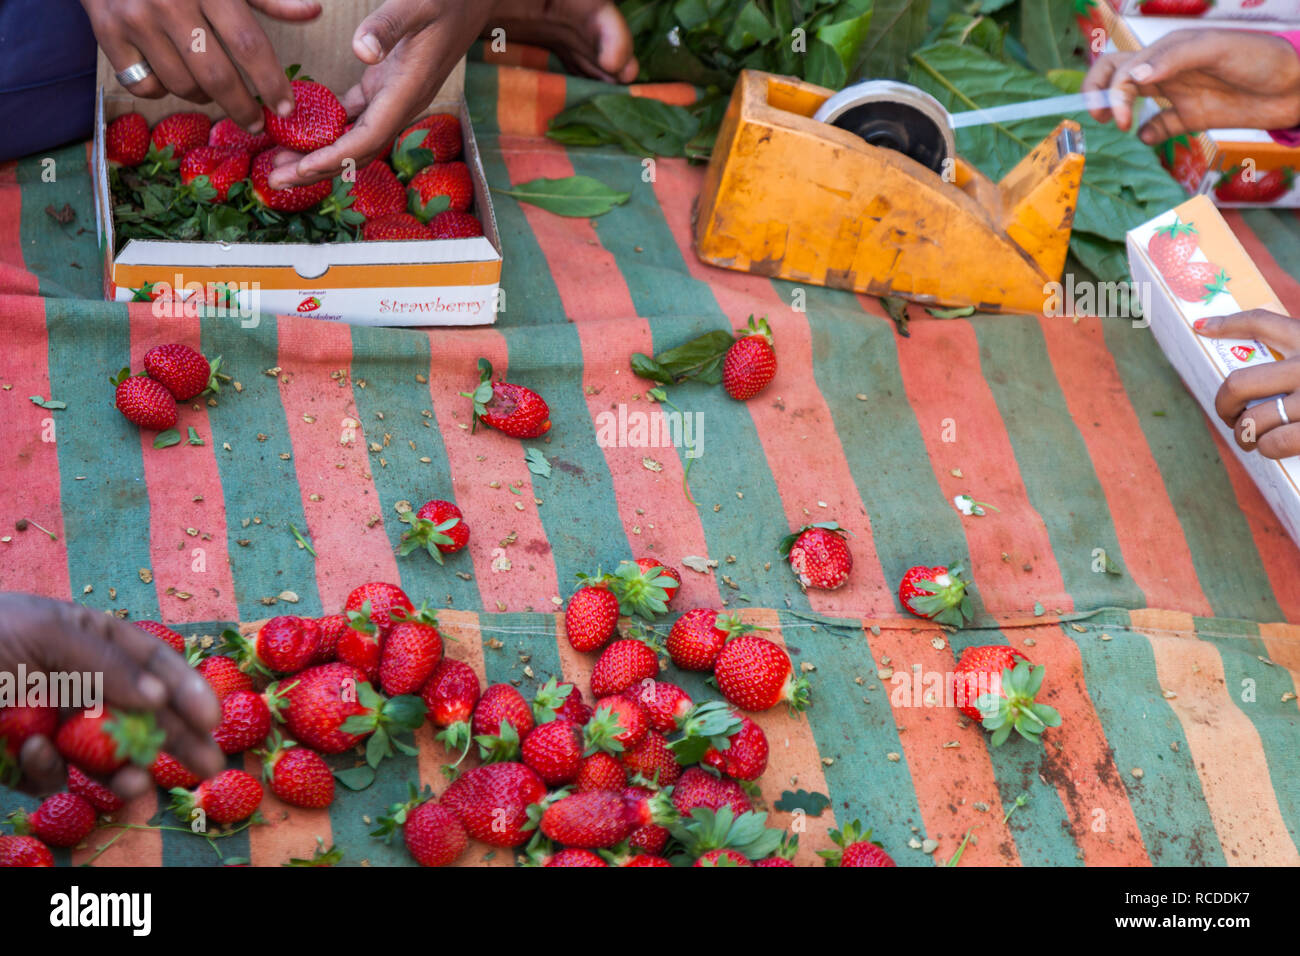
(802, 414)
(291, 831)
(527, 100)
(674, 94)
(1283, 643)
(490, 512)
(1224, 744)
(948, 781)
(1155, 550)
(30, 473)
(130, 847)
(1283, 284)
(947, 390)
(518, 54)
(593, 290)
(197, 565)
(14, 277)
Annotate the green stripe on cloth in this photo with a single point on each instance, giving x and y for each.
(65, 257)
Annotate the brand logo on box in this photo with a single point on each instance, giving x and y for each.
(1243, 353)
(309, 304)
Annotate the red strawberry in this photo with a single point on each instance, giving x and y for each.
(286, 644)
(622, 664)
(654, 760)
(411, 652)
(1175, 8)
(318, 701)
(377, 191)
(361, 646)
(64, 819)
(518, 411)
(819, 556)
(591, 618)
(665, 704)
(395, 226)
(600, 771)
(574, 858)
(774, 861)
(229, 797)
(24, 851)
(554, 700)
(182, 132)
(554, 751)
(699, 788)
(184, 372)
(298, 776)
(645, 859)
(649, 838)
(854, 847)
(619, 724)
(226, 132)
(501, 719)
(746, 756)
(245, 722)
(697, 637)
(937, 594)
(101, 744)
(434, 139)
(438, 527)
(290, 198)
(224, 676)
(722, 857)
(755, 674)
(450, 224)
(164, 633)
(600, 818)
(1269, 187)
(126, 140)
(1185, 161)
(644, 587)
(450, 693)
(18, 723)
(317, 120)
(996, 685)
(1171, 247)
(223, 165)
(1088, 16)
(385, 602)
(433, 833)
(493, 800)
(144, 402)
(330, 628)
(664, 575)
(93, 792)
(1198, 282)
(169, 773)
(439, 187)
(750, 363)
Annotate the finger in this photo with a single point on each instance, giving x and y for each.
(216, 75)
(1247, 385)
(286, 157)
(613, 40)
(247, 42)
(1164, 125)
(92, 641)
(194, 749)
(360, 144)
(1281, 442)
(292, 10)
(1256, 421)
(630, 72)
(1099, 77)
(123, 54)
(131, 782)
(185, 690)
(42, 767)
(168, 66)
(1280, 332)
(378, 33)
(1124, 89)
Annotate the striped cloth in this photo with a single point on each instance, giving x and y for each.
(1176, 678)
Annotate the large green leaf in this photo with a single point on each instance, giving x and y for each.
(897, 28)
(1050, 35)
(1123, 184)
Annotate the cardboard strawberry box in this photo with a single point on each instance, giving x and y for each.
(1288, 10)
(1234, 167)
(1189, 293)
(411, 283)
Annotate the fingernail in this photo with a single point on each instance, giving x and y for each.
(151, 688)
(1198, 324)
(1142, 72)
(1148, 136)
(372, 45)
(284, 107)
(256, 127)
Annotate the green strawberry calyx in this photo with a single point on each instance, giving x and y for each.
(425, 534)
(137, 736)
(1217, 285)
(499, 747)
(705, 726)
(944, 599)
(482, 393)
(244, 652)
(1014, 708)
(601, 733)
(1176, 228)
(642, 592)
(410, 155)
(843, 839)
(797, 693)
(384, 719)
(786, 543)
(758, 330)
(705, 830)
(456, 736)
(397, 813)
(549, 698)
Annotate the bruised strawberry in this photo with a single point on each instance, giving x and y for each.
(937, 594)
(819, 556)
(513, 409)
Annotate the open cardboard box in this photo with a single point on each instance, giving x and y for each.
(415, 282)
(1204, 363)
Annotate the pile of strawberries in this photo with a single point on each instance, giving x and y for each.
(190, 178)
(172, 373)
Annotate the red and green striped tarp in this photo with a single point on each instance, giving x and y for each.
(1176, 678)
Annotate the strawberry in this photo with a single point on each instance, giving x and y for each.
(1233, 186)
(450, 224)
(818, 554)
(665, 576)
(649, 838)
(501, 719)
(722, 858)
(1174, 8)
(17, 724)
(854, 847)
(591, 617)
(600, 818)
(1185, 161)
(653, 760)
(746, 756)
(619, 724)
(226, 132)
(64, 819)
(554, 751)
(784, 854)
(433, 833)
(245, 722)
(438, 527)
(699, 788)
(222, 165)
(164, 633)
(450, 693)
(937, 594)
(723, 838)
(513, 409)
(493, 800)
(600, 771)
(750, 363)
(665, 704)
(184, 371)
(554, 700)
(181, 132)
(379, 603)
(229, 797)
(1088, 16)
(394, 226)
(439, 187)
(317, 120)
(224, 676)
(319, 700)
(377, 192)
(24, 851)
(622, 664)
(645, 859)
(284, 645)
(1198, 282)
(103, 799)
(755, 674)
(361, 646)
(644, 589)
(996, 685)
(774, 861)
(101, 744)
(708, 726)
(329, 629)
(574, 858)
(169, 773)
(144, 402)
(410, 653)
(434, 139)
(698, 635)
(298, 776)
(126, 140)
(1171, 247)
(290, 198)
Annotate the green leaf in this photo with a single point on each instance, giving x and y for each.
(576, 196)
(302, 540)
(1039, 610)
(700, 359)
(811, 803)
(641, 125)
(1050, 35)
(51, 404)
(537, 462)
(355, 778)
(168, 438)
(194, 438)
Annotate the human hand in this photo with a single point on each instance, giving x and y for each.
(201, 67)
(1261, 427)
(140, 673)
(1212, 79)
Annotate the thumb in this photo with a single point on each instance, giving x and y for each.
(291, 10)
(378, 33)
(1164, 125)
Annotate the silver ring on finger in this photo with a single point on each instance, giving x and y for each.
(134, 73)
(1281, 411)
